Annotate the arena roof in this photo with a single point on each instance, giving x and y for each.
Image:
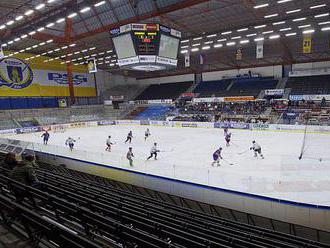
(216, 28)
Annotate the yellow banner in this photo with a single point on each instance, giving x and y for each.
(307, 44)
(238, 98)
(35, 78)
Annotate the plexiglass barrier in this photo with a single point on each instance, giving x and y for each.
(278, 176)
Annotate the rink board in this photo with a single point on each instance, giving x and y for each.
(308, 215)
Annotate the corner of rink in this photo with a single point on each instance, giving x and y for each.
(275, 187)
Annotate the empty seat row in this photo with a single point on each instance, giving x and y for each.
(164, 91)
(235, 87)
(88, 206)
(309, 85)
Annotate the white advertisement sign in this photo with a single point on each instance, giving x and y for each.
(274, 92)
(128, 61)
(125, 28)
(209, 99)
(176, 33)
(167, 61)
(309, 72)
(147, 58)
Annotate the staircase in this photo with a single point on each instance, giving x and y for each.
(153, 112)
(281, 83)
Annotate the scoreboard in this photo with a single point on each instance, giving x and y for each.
(146, 46)
(147, 42)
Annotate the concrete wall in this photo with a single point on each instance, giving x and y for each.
(170, 79)
(269, 71)
(314, 65)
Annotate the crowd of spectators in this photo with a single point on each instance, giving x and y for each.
(231, 108)
(197, 118)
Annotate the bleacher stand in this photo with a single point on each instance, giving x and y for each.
(251, 86)
(212, 88)
(309, 85)
(245, 86)
(164, 91)
(80, 210)
(155, 112)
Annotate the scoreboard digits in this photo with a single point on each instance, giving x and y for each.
(146, 42)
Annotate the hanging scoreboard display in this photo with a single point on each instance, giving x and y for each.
(146, 47)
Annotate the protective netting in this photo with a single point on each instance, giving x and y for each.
(315, 144)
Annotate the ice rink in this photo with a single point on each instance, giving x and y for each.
(187, 155)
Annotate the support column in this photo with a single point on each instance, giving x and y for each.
(69, 66)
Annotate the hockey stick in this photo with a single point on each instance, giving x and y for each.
(245, 151)
(227, 162)
(171, 150)
(303, 147)
(234, 144)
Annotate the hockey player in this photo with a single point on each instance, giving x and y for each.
(45, 136)
(146, 134)
(217, 156)
(129, 137)
(70, 142)
(227, 139)
(257, 149)
(153, 152)
(130, 156)
(109, 144)
(225, 131)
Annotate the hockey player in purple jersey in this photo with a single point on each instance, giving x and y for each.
(227, 139)
(45, 136)
(129, 137)
(216, 157)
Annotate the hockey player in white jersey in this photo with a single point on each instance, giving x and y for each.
(70, 142)
(130, 156)
(257, 149)
(109, 144)
(153, 152)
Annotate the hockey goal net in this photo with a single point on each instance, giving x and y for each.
(59, 129)
(316, 143)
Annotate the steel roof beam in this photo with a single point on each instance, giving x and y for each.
(154, 13)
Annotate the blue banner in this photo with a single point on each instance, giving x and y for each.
(28, 130)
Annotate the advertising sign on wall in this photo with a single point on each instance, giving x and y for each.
(274, 92)
(38, 79)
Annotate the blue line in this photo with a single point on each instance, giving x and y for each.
(286, 202)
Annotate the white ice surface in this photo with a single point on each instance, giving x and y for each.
(188, 155)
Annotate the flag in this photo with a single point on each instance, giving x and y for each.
(239, 54)
(187, 60)
(307, 44)
(260, 50)
(1, 53)
(91, 65)
(201, 59)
